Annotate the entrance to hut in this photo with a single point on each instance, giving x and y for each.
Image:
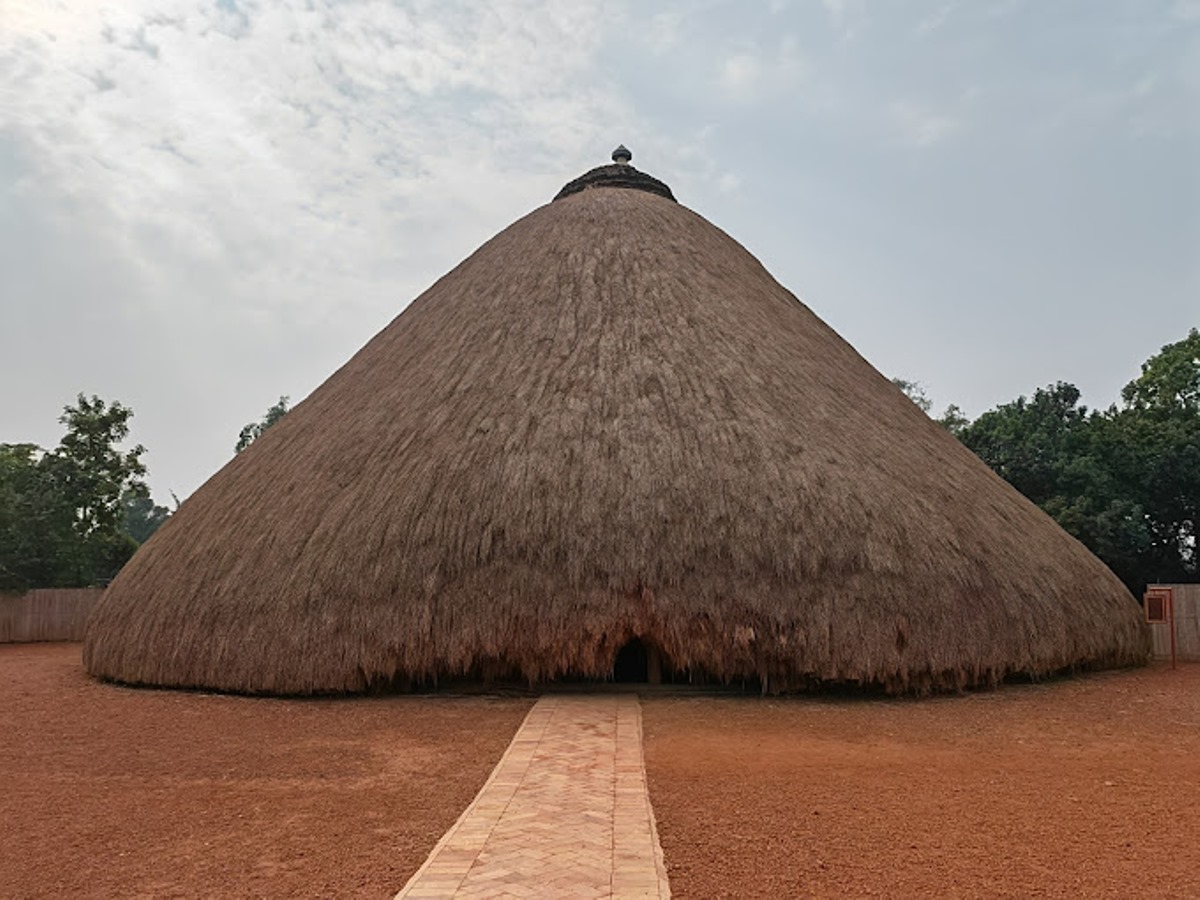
(637, 663)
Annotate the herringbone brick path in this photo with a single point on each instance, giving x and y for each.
(565, 813)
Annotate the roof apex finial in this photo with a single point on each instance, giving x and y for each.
(621, 156)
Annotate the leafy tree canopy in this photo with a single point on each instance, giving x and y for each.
(252, 432)
(65, 514)
(914, 391)
(1126, 480)
(1170, 380)
(952, 419)
(93, 472)
(140, 515)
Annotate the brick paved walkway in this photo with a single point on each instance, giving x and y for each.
(564, 814)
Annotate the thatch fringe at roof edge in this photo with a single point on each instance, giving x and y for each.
(726, 642)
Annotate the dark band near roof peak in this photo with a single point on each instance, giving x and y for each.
(618, 174)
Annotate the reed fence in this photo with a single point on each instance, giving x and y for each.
(50, 614)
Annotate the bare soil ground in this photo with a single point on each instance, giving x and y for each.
(1078, 788)
(1087, 787)
(108, 791)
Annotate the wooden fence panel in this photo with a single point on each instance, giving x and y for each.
(1187, 625)
(50, 614)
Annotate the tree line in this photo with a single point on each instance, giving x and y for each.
(1124, 480)
(74, 515)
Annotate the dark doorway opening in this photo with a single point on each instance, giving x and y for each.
(632, 665)
(640, 662)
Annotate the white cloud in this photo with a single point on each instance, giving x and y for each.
(663, 31)
(328, 120)
(917, 125)
(936, 19)
(1003, 8)
(205, 205)
(291, 173)
(1186, 10)
(741, 71)
(846, 17)
(753, 71)
(729, 183)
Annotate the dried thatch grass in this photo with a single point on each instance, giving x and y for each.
(608, 421)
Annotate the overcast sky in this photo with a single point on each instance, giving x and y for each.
(205, 205)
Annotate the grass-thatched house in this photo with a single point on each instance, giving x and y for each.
(609, 423)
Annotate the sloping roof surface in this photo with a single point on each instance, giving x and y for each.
(608, 421)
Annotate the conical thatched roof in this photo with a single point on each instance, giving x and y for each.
(608, 421)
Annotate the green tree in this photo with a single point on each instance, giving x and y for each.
(91, 469)
(1030, 442)
(62, 513)
(140, 515)
(1170, 380)
(914, 391)
(1064, 459)
(1125, 481)
(35, 522)
(89, 473)
(952, 419)
(252, 432)
(1158, 455)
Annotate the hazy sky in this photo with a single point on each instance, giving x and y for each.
(205, 205)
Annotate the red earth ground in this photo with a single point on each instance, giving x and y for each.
(1087, 787)
(1078, 788)
(114, 792)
